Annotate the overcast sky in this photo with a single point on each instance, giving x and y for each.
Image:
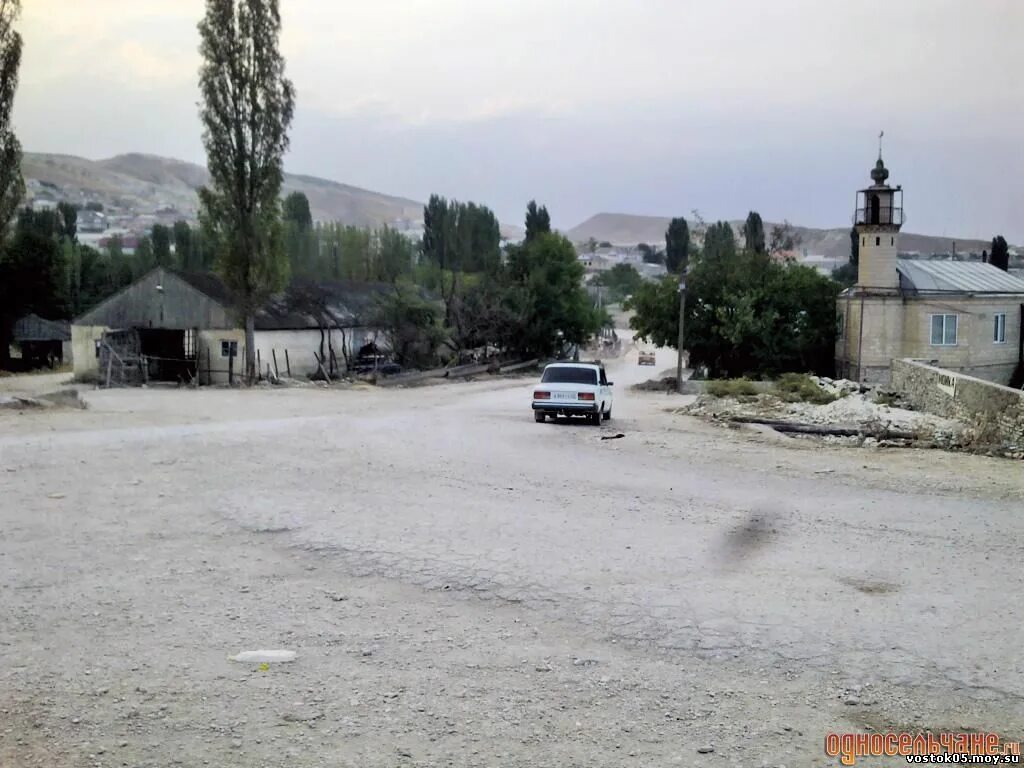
(634, 106)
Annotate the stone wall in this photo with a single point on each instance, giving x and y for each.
(994, 411)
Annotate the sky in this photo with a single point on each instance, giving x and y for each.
(654, 107)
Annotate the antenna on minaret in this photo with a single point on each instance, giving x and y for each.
(880, 135)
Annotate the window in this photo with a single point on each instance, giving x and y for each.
(999, 329)
(892, 241)
(863, 241)
(841, 320)
(944, 330)
(97, 342)
(878, 241)
(190, 343)
(568, 374)
(604, 379)
(228, 348)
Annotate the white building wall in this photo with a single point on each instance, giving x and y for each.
(302, 347)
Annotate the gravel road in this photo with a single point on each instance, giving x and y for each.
(464, 587)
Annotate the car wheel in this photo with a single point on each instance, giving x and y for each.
(538, 416)
(595, 418)
(608, 415)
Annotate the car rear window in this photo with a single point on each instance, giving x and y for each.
(569, 375)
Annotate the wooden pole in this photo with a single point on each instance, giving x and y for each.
(231, 369)
(277, 374)
(287, 364)
(110, 363)
(209, 368)
(259, 365)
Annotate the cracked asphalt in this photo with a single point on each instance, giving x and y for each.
(464, 587)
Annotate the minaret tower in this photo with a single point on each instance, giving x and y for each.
(878, 219)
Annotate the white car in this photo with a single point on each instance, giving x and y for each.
(573, 389)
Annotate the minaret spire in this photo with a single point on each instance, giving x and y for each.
(880, 135)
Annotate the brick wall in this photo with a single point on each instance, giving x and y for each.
(979, 403)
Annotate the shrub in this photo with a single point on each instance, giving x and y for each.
(731, 388)
(801, 388)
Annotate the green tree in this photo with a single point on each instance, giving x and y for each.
(394, 255)
(622, 280)
(32, 275)
(1000, 255)
(145, 259)
(94, 206)
(677, 246)
(411, 326)
(753, 232)
(68, 225)
(745, 315)
(183, 250)
(296, 210)
(650, 255)
(247, 108)
(161, 237)
(550, 274)
(12, 185)
(719, 241)
(538, 222)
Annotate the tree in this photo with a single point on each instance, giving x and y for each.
(12, 185)
(68, 225)
(411, 326)
(247, 108)
(547, 269)
(719, 241)
(296, 210)
(161, 237)
(784, 239)
(622, 280)
(753, 233)
(183, 250)
(94, 206)
(394, 255)
(745, 315)
(677, 246)
(300, 240)
(650, 255)
(144, 257)
(538, 222)
(32, 275)
(1000, 254)
(592, 246)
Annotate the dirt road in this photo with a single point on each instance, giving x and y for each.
(464, 587)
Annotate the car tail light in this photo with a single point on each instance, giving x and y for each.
(585, 395)
(540, 394)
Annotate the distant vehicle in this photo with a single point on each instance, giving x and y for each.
(647, 358)
(573, 389)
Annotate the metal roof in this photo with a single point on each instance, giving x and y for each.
(36, 328)
(956, 276)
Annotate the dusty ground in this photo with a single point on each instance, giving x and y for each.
(465, 587)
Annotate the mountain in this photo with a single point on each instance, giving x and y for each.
(146, 184)
(626, 229)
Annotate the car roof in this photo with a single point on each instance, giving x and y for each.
(575, 365)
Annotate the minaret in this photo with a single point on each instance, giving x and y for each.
(878, 219)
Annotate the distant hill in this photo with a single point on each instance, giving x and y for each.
(145, 184)
(626, 229)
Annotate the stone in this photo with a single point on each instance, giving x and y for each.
(707, 749)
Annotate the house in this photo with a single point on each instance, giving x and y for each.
(42, 342)
(176, 326)
(958, 315)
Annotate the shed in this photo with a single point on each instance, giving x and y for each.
(43, 342)
(185, 325)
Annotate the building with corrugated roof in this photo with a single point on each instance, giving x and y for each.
(177, 326)
(958, 315)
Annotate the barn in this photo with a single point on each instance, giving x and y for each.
(182, 327)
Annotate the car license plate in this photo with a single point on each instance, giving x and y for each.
(563, 396)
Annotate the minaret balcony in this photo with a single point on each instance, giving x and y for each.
(882, 216)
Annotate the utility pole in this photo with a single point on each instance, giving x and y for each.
(679, 343)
